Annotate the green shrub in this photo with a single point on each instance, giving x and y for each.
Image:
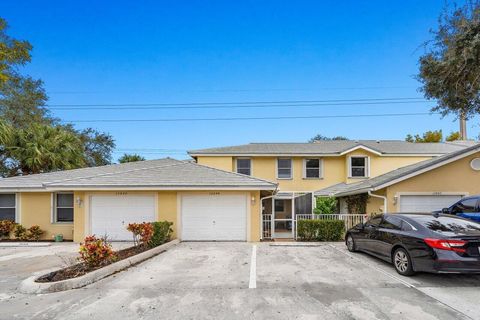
(20, 232)
(326, 205)
(6, 226)
(320, 230)
(34, 233)
(161, 233)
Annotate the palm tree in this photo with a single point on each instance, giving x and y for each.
(43, 148)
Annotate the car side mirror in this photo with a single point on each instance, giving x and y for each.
(445, 210)
(360, 226)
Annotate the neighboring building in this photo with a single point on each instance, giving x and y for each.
(203, 203)
(332, 168)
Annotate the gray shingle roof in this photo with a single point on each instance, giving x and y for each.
(333, 147)
(162, 173)
(371, 184)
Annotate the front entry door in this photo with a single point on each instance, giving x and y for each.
(282, 218)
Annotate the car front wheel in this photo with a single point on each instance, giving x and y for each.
(402, 262)
(351, 244)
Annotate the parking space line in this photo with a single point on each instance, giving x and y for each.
(253, 269)
(405, 283)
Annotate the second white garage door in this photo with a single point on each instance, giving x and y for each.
(110, 214)
(214, 217)
(426, 203)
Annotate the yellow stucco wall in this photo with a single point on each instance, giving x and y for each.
(36, 209)
(335, 169)
(222, 163)
(457, 176)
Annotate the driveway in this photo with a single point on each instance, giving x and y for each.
(217, 281)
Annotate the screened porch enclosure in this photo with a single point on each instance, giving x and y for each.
(279, 213)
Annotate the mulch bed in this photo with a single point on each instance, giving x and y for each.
(81, 269)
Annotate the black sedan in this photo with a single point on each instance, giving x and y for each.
(420, 242)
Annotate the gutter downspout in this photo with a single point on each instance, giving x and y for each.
(385, 210)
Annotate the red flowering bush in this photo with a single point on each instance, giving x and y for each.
(6, 226)
(96, 251)
(34, 233)
(142, 233)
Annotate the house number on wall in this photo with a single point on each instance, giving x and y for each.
(214, 193)
(122, 193)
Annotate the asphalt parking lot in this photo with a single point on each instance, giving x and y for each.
(244, 281)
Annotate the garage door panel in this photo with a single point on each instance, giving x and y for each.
(426, 203)
(214, 217)
(110, 215)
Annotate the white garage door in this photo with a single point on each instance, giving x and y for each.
(214, 217)
(426, 203)
(110, 215)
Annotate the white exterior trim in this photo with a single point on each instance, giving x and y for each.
(429, 168)
(53, 208)
(133, 188)
(181, 195)
(360, 147)
(291, 168)
(235, 167)
(398, 195)
(248, 155)
(88, 207)
(18, 208)
(321, 164)
(367, 166)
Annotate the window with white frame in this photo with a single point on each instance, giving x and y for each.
(284, 168)
(64, 207)
(312, 168)
(358, 167)
(8, 203)
(244, 166)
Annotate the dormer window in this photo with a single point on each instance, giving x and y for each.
(358, 167)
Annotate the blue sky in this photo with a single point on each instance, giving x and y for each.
(121, 52)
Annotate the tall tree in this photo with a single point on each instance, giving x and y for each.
(450, 68)
(130, 158)
(13, 53)
(22, 102)
(429, 136)
(98, 147)
(40, 148)
(23, 109)
(320, 137)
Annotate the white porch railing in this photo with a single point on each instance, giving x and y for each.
(350, 220)
(266, 226)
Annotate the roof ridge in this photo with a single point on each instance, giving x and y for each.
(113, 173)
(234, 173)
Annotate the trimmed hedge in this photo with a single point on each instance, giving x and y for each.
(320, 230)
(162, 231)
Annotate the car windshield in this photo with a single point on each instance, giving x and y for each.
(447, 224)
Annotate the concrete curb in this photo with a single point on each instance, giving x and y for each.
(30, 286)
(24, 244)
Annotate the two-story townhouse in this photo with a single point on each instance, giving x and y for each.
(303, 170)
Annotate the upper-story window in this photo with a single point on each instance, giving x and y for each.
(64, 207)
(312, 168)
(7, 206)
(358, 167)
(244, 166)
(284, 168)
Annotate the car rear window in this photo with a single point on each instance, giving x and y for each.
(447, 224)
